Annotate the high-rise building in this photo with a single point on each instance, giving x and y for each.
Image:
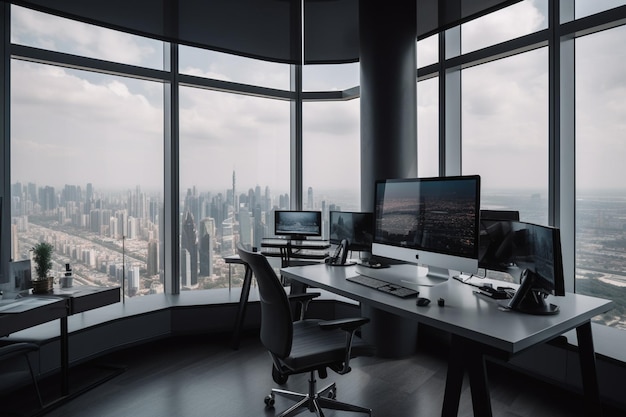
(152, 264)
(205, 255)
(189, 241)
(310, 202)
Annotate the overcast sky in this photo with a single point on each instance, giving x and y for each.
(73, 127)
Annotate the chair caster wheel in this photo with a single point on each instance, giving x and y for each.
(269, 401)
(332, 394)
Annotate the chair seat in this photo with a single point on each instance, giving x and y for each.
(313, 347)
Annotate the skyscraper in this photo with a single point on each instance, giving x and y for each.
(189, 241)
(309, 203)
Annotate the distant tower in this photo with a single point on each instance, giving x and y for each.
(189, 242)
(205, 255)
(310, 199)
(235, 197)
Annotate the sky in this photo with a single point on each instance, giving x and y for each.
(110, 129)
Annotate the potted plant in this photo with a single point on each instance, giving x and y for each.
(42, 256)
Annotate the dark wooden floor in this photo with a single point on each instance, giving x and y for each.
(204, 377)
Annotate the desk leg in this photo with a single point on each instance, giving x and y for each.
(65, 358)
(587, 359)
(241, 311)
(466, 356)
(454, 380)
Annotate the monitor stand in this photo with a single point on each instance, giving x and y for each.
(406, 275)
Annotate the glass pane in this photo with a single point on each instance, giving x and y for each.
(88, 175)
(228, 67)
(428, 51)
(40, 30)
(428, 128)
(336, 77)
(600, 170)
(331, 157)
(505, 133)
(520, 19)
(585, 8)
(234, 171)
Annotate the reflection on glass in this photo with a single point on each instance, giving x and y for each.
(87, 176)
(234, 172)
(40, 30)
(228, 67)
(520, 19)
(505, 133)
(600, 150)
(428, 128)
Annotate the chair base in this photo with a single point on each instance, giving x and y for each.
(314, 401)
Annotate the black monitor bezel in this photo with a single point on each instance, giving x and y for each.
(473, 178)
(293, 235)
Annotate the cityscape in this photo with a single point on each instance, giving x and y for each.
(114, 237)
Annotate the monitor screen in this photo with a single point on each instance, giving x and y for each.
(429, 221)
(357, 228)
(297, 224)
(513, 246)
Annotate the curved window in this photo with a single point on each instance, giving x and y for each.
(234, 171)
(336, 77)
(87, 176)
(226, 67)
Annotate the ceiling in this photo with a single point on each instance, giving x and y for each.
(264, 29)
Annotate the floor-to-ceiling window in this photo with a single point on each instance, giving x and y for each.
(600, 169)
(331, 146)
(87, 156)
(505, 132)
(234, 172)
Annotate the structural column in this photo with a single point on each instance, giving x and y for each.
(388, 38)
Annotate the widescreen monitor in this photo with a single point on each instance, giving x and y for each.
(525, 250)
(297, 224)
(356, 227)
(432, 222)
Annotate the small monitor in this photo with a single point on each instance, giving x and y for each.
(297, 225)
(433, 222)
(356, 227)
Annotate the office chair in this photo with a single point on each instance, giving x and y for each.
(305, 345)
(13, 350)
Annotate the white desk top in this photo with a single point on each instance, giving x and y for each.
(465, 314)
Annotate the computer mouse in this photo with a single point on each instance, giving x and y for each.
(422, 301)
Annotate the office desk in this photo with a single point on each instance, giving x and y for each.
(33, 310)
(477, 326)
(288, 249)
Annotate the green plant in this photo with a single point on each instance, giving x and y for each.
(42, 256)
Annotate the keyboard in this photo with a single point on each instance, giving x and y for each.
(383, 286)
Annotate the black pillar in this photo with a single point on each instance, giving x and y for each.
(388, 38)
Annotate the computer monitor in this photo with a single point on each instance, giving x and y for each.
(432, 222)
(531, 254)
(297, 225)
(356, 227)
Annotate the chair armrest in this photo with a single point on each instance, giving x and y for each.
(349, 324)
(304, 299)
